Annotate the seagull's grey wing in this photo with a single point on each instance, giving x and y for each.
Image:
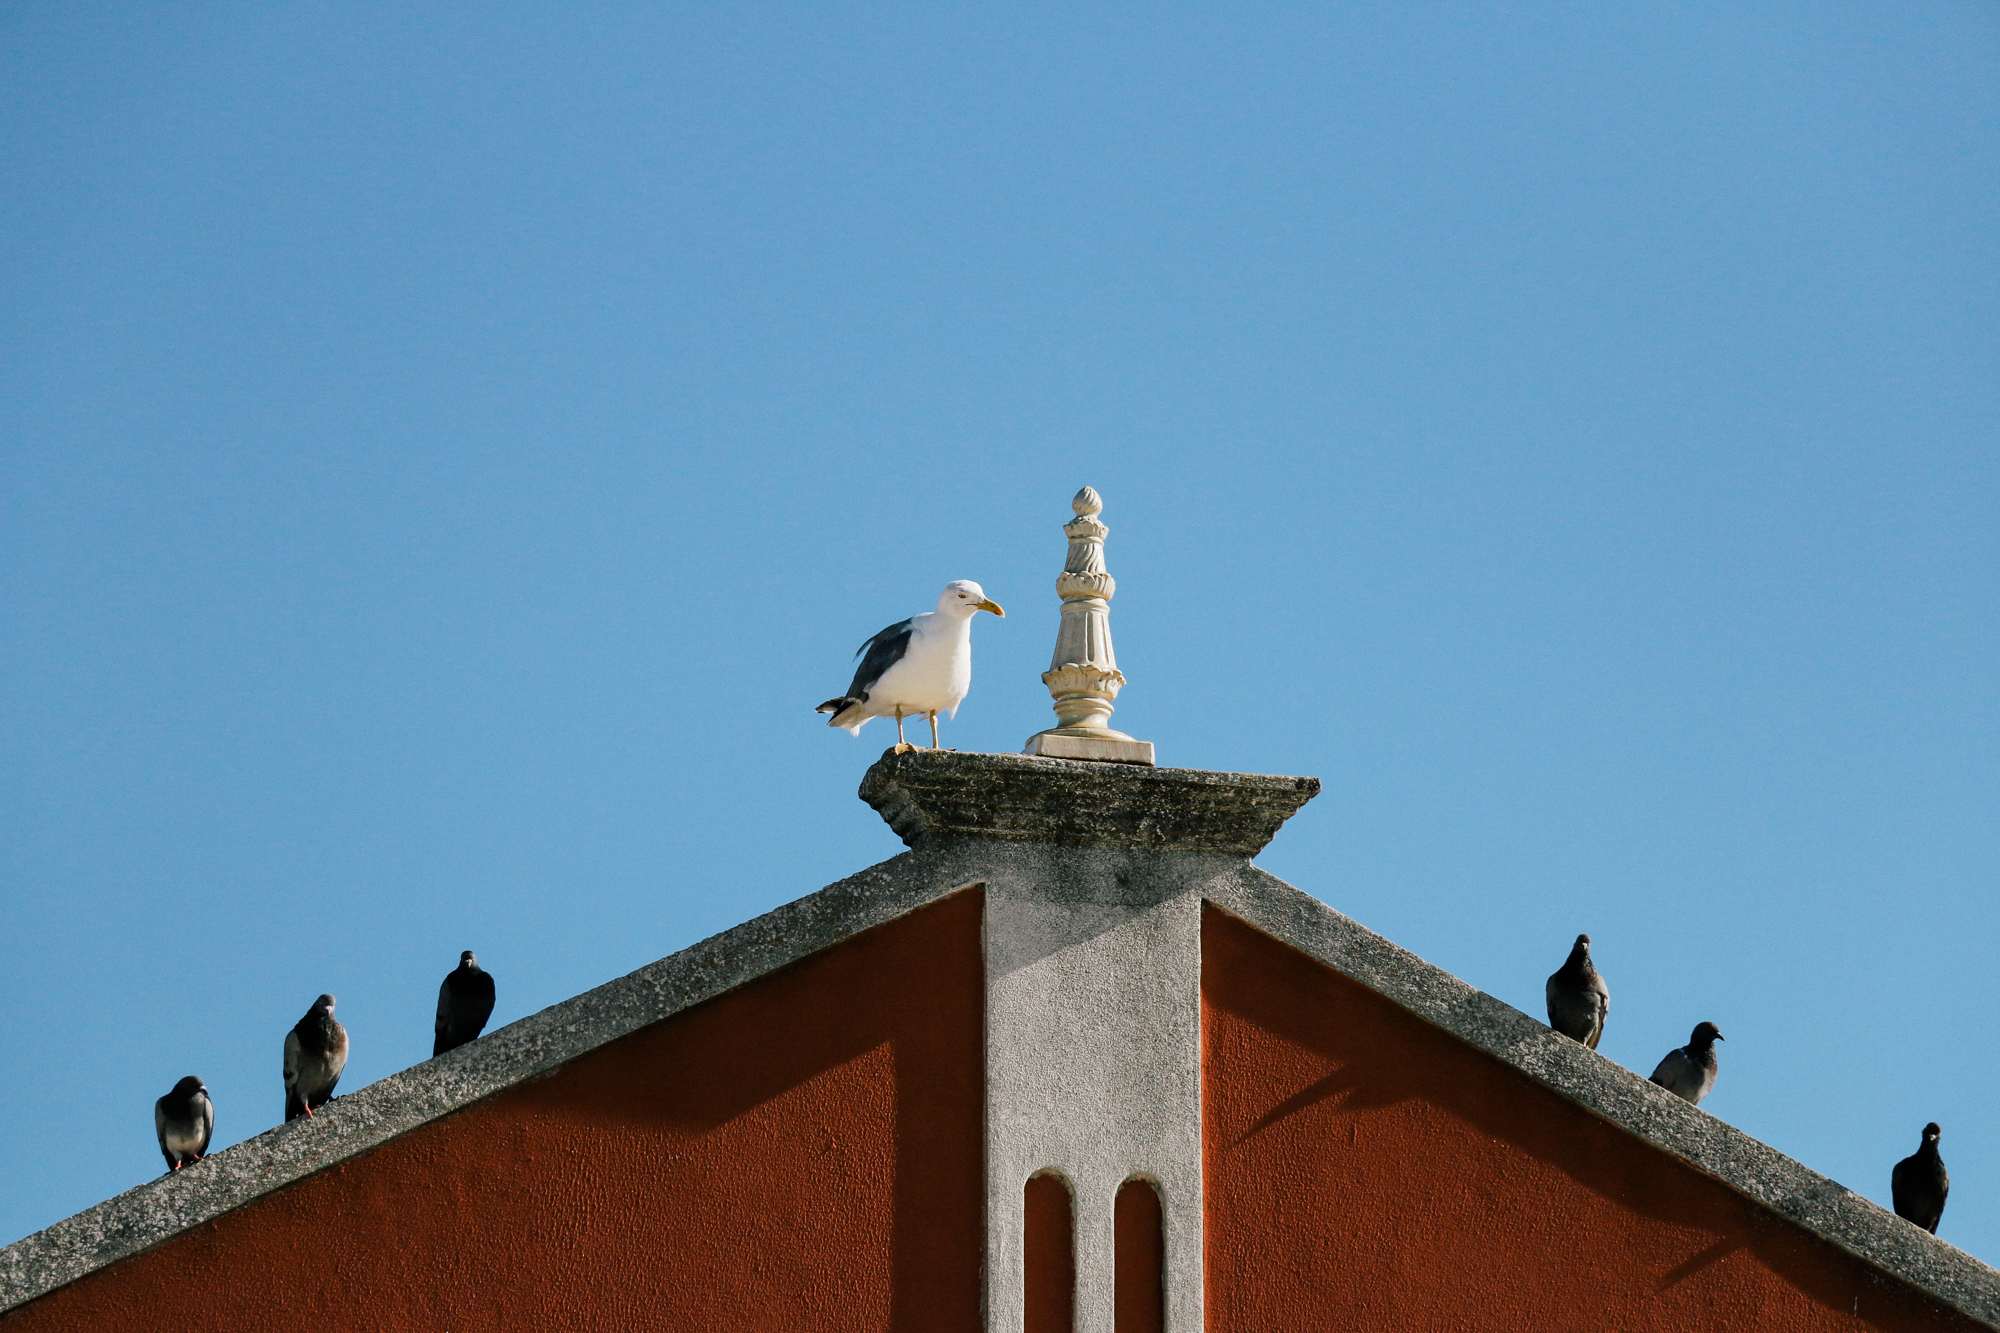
(883, 651)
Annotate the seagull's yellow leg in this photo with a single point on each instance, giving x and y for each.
(934, 743)
(902, 746)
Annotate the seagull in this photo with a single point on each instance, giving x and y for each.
(1578, 998)
(184, 1120)
(917, 667)
(1689, 1071)
(465, 1002)
(1920, 1182)
(315, 1053)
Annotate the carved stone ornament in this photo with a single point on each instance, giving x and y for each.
(1083, 677)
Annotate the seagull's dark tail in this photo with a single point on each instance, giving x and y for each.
(840, 708)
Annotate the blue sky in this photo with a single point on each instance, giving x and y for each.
(449, 449)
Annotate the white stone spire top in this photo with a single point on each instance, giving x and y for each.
(1083, 676)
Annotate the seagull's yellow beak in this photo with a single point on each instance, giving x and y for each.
(990, 605)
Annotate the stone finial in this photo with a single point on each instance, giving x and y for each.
(1083, 676)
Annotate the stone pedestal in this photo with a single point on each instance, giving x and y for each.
(1113, 747)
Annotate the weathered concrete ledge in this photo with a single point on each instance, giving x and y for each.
(1822, 1206)
(928, 794)
(352, 1124)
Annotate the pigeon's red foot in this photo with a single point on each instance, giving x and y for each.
(309, 1113)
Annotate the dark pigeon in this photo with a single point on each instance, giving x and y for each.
(1920, 1182)
(315, 1053)
(1578, 998)
(465, 1002)
(184, 1120)
(1689, 1071)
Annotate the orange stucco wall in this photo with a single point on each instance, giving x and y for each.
(1368, 1171)
(801, 1153)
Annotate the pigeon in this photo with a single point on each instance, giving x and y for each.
(184, 1120)
(465, 1002)
(1578, 997)
(916, 667)
(1919, 1183)
(315, 1053)
(1689, 1071)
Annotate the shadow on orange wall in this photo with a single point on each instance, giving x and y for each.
(803, 1152)
(1365, 1166)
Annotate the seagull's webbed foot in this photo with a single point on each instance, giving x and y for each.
(904, 747)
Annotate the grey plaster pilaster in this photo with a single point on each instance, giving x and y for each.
(1093, 1061)
(1095, 876)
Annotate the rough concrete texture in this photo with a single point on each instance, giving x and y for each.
(1093, 1057)
(974, 818)
(942, 793)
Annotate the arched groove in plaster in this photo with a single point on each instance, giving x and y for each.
(1048, 1247)
(1139, 1284)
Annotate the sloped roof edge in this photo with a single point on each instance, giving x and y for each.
(1824, 1207)
(156, 1211)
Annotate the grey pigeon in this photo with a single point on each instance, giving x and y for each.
(184, 1120)
(1920, 1182)
(1689, 1071)
(1578, 998)
(315, 1053)
(465, 1002)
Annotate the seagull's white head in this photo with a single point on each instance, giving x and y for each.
(963, 597)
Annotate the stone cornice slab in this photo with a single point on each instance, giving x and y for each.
(928, 794)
